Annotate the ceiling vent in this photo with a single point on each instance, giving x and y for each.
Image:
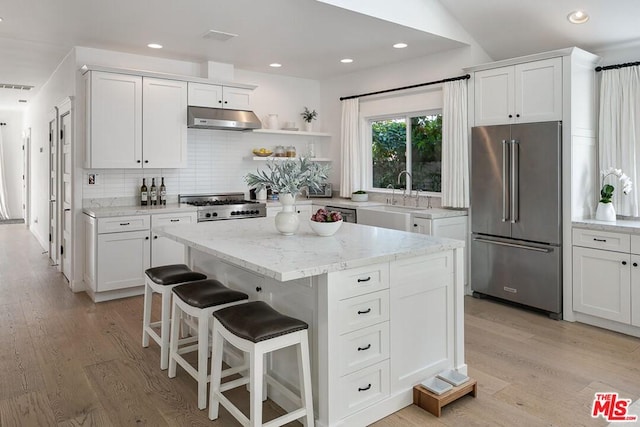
(220, 36)
(15, 86)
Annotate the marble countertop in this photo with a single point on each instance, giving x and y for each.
(338, 202)
(631, 226)
(137, 210)
(256, 245)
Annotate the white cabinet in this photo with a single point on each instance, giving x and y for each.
(303, 211)
(135, 121)
(114, 120)
(606, 275)
(122, 259)
(523, 93)
(164, 123)
(165, 251)
(217, 96)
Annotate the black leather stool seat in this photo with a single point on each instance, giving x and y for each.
(207, 293)
(257, 321)
(172, 274)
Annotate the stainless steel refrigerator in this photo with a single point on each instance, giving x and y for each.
(516, 214)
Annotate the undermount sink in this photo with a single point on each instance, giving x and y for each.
(387, 216)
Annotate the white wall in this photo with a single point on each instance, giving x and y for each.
(13, 161)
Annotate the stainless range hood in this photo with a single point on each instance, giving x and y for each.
(220, 118)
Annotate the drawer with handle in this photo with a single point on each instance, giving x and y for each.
(123, 223)
(597, 239)
(364, 347)
(360, 281)
(158, 220)
(363, 388)
(362, 311)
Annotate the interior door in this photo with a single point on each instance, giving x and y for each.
(535, 158)
(489, 180)
(53, 189)
(65, 192)
(26, 171)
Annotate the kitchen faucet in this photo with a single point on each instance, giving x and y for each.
(393, 194)
(408, 184)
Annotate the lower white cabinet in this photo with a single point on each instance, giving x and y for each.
(304, 211)
(606, 275)
(118, 250)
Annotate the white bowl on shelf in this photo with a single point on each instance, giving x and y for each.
(325, 229)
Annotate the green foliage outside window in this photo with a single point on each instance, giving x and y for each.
(389, 147)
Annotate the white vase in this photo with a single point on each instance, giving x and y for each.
(287, 221)
(605, 212)
(308, 126)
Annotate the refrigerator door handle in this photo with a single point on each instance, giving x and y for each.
(513, 245)
(505, 181)
(515, 172)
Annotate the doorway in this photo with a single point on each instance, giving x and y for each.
(26, 176)
(66, 195)
(53, 187)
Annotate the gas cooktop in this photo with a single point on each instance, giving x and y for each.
(212, 207)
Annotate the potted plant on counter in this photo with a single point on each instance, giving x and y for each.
(287, 178)
(308, 117)
(359, 196)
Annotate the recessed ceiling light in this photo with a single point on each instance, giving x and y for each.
(154, 46)
(275, 65)
(346, 60)
(578, 17)
(400, 45)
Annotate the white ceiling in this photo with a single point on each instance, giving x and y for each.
(308, 37)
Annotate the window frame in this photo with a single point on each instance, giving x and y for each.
(368, 145)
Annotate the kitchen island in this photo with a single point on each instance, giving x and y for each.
(384, 307)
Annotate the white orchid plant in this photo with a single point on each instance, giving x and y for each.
(289, 176)
(606, 192)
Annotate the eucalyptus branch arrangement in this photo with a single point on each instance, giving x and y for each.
(606, 192)
(308, 116)
(289, 176)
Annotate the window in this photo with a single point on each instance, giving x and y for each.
(412, 143)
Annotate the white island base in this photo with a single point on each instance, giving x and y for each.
(384, 307)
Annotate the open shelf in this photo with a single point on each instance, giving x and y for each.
(315, 159)
(291, 132)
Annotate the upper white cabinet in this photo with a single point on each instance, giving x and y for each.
(164, 123)
(135, 121)
(217, 96)
(114, 120)
(522, 93)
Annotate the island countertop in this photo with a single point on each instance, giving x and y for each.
(256, 245)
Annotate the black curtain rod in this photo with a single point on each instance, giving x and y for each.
(452, 79)
(615, 67)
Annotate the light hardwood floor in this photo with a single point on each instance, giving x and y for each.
(65, 361)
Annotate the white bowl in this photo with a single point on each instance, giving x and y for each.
(325, 228)
(359, 197)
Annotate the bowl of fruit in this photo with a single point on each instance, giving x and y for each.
(262, 152)
(325, 223)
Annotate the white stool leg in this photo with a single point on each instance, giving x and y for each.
(256, 378)
(146, 316)
(176, 316)
(203, 350)
(216, 373)
(304, 373)
(164, 329)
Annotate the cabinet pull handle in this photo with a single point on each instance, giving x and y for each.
(368, 310)
(138, 161)
(364, 280)
(174, 220)
(364, 388)
(517, 115)
(635, 264)
(125, 223)
(599, 240)
(146, 238)
(155, 237)
(146, 161)
(624, 262)
(258, 288)
(364, 348)
(510, 116)
(415, 225)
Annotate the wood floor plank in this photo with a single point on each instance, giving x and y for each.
(96, 418)
(29, 409)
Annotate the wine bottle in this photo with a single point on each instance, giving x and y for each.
(163, 192)
(154, 192)
(143, 193)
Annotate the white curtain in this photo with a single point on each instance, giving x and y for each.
(619, 133)
(4, 211)
(455, 145)
(352, 177)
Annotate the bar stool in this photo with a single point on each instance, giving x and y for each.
(198, 300)
(258, 329)
(162, 280)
